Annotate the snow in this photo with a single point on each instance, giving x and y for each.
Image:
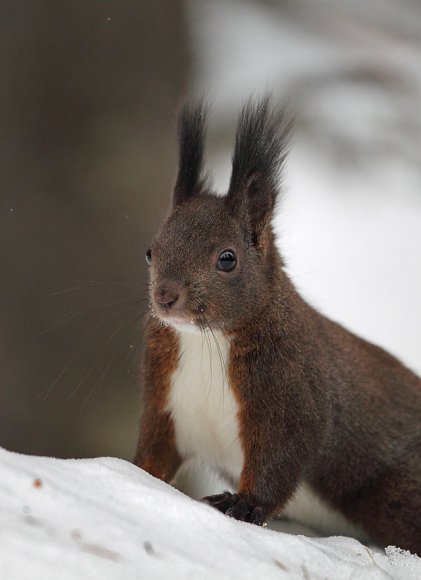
(105, 518)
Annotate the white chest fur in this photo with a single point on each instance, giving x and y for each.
(202, 404)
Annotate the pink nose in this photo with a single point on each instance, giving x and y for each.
(166, 297)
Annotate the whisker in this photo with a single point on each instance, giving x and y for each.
(116, 331)
(74, 289)
(209, 305)
(98, 383)
(125, 313)
(75, 390)
(221, 360)
(68, 317)
(111, 315)
(133, 348)
(45, 392)
(91, 284)
(207, 339)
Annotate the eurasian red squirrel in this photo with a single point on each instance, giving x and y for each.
(240, 371)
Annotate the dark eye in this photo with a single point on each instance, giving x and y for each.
(149, 257)
(227, 261)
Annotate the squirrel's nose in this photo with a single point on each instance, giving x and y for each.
(166, 297)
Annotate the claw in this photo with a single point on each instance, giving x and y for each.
(222, 501)
(257, 516)
(239, 510)
(236, 506)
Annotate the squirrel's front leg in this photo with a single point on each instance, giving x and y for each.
(156, 450)
(277, 437)
(266, 484)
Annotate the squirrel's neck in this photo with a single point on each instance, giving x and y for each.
(278, 306)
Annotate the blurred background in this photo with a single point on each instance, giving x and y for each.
(90, 93)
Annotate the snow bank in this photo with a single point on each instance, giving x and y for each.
(104, 518)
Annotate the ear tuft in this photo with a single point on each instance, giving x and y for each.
(261, 148)
(191, 134)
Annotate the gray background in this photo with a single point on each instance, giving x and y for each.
(90, 92)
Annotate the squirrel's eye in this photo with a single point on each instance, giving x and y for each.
(227, 261)
(149, 257)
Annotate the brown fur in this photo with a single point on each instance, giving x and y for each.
(316, 403)
(159, 457)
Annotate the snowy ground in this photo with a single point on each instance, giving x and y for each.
(106, 519)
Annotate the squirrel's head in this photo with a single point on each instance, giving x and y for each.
(214, 262)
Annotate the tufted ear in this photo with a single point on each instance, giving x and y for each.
(261, 148)
(191, 134)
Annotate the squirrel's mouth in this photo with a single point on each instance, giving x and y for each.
(190, 322)
(180, 323)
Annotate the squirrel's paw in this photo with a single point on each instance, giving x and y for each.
(236, 506)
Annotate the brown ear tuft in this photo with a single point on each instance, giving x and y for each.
(191, 134)
(261, 148)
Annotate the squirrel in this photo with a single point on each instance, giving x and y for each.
(240, 371)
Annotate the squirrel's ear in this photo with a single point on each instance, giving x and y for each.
(191, 134)
(261, 148)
